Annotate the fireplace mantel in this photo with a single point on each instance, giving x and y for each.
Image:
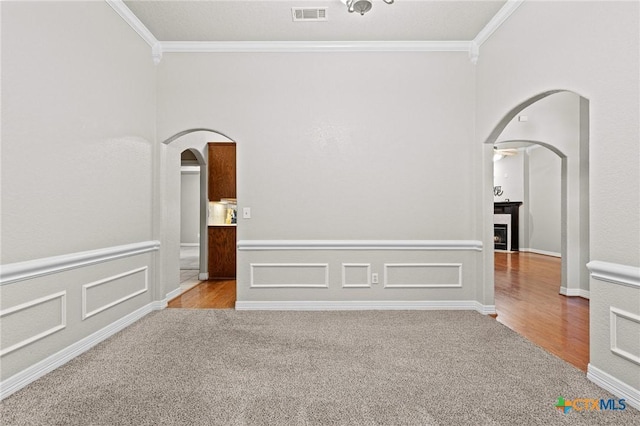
(510, 208)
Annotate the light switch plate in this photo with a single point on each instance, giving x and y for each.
(246, 212)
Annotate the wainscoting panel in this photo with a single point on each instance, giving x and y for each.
(289, 275)
(614, 311)
(49, 305)
(422, 275)
(115, 289)
(625, 334)
(32, 321)
(360, 275)
(356, 275)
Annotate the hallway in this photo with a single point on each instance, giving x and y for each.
(528, 302)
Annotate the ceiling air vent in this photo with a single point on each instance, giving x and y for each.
(306, 14)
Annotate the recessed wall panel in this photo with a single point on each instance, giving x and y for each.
(31, 321)
(290, 275)
(422, 275)
(101, 295)
(356, 275)
(625, 334)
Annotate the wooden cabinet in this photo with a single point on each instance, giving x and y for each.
(222, 252)
(222, 170)
(222, 184)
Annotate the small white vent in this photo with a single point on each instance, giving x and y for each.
(306, 14)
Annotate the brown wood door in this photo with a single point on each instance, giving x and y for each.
(222, 170)
(222, 252)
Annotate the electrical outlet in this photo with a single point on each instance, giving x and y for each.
(246, 213)
(374, 278)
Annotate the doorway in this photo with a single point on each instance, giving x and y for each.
(190, 218)
(561, 119)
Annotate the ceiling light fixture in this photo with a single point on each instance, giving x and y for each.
(361, 6)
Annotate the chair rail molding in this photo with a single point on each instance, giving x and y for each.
(14, 272)
(459, 245)
(615, 273)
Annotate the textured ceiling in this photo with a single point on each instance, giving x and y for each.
(271, 20)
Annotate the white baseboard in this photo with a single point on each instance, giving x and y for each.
(615, 386)
(203, 277)
(543, 252)
(189, 244)
(358, 305)
(574, 292)
(36, 371)
(173, 293)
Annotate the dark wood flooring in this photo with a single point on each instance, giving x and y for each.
(527, 300)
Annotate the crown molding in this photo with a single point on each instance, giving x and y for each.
(499, 18)
(133, 21)
(472, 47)
(312, 46)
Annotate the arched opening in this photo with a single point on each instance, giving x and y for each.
(192, 145)
(557, 121)
(192, 261)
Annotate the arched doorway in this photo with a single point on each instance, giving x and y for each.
(195, 142)
(565, 132)
(575, 186)
(192, 263)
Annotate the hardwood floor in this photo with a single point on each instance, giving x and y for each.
(214, 294)
(528, 302)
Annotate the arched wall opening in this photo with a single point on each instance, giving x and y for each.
(556, 187)
(192, 169)
(569, 139)
(195, 141)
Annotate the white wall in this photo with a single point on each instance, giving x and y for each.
(322, 156)
(189, 206)
(78, 124)
(591, 48)
(509, 174)
(544, 201)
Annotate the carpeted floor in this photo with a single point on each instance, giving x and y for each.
(206, 367)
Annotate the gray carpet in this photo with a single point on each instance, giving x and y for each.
(205, 367)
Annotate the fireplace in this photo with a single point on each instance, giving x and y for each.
(506, 217)
(500, 236)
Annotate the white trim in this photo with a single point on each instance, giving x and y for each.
(615, 273)
(614, 313)
(543, 252)
(614, 385)
(190, 170)
(189, 245)
(63, 319)
(365, 305)
(253, 266)
(29, 269)
(356, 265)
(85, 287)
(418, 265)
(203, 277)
(454, 245)
(313, 46)
(127, 15)
(36, 371)
(573, 292)
(173, 294)
(498, 19)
